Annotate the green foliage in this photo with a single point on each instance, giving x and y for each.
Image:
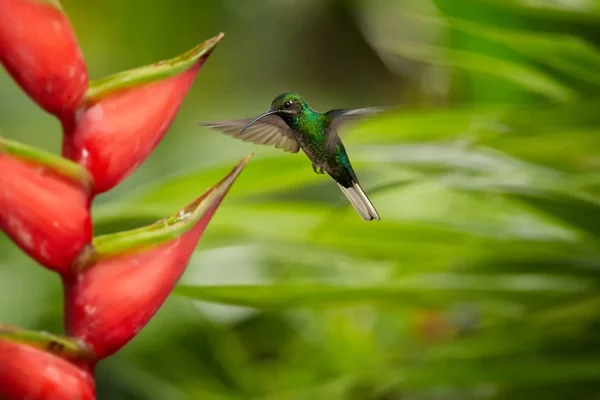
(481, 281)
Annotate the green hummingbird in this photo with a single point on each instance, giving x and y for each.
(290, 124)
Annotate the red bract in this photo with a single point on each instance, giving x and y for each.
(39, 49)
(125, 116)
(44, 204)
(132, 273)
(42, 367)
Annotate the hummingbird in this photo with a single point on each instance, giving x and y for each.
(291, 124)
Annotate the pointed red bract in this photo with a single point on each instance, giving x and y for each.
(28, 372)
(126, 116)
(44, 213)
(114, 136)
(39, 49)
(108, 303)
(113, 301)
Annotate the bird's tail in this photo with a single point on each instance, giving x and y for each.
(360, 201)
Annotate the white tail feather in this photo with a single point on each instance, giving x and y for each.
(360, 202)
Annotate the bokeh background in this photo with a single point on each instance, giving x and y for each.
(480, 282)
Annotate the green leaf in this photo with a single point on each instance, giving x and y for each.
(439, 289)
(530, 371)
(525, 76)
(585, 12)
(566, 53)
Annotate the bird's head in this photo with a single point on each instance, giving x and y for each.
(287, 106)
(290, 103)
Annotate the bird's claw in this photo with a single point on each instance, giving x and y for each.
(317, 168)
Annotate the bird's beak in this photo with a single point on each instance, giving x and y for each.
(258, 118)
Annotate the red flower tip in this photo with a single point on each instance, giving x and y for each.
(44, 204)
(125, 281)
(126, 115)
(41, 366)
(39, 49)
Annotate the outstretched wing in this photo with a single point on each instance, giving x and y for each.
(269, 131)
(339, 117)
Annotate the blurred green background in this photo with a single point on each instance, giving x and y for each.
(480, 282)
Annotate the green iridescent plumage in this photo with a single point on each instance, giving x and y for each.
(291, 125)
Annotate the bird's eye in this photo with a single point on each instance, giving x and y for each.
(287, 104)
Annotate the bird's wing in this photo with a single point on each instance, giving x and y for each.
(339, 117)
(270, 131)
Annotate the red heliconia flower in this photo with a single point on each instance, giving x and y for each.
(44, 204)
(124, 117)
(115, 283)
(43, 367)
(39, 49)
(130, 274)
